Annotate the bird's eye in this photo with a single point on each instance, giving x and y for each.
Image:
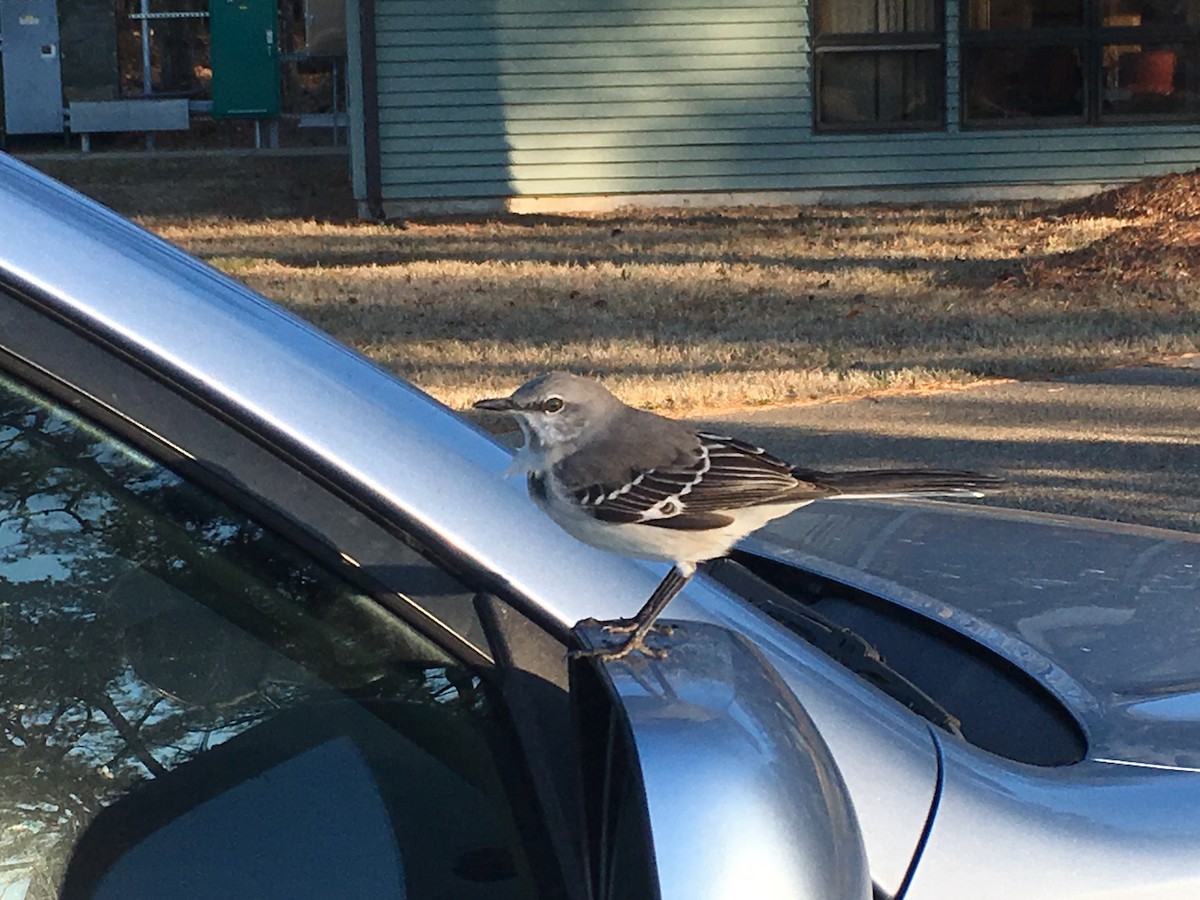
(552, 404)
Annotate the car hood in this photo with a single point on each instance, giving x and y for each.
(1106, 616)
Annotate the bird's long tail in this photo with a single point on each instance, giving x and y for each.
(903, 483)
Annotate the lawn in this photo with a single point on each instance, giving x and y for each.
(689, 311)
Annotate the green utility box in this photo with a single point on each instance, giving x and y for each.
(244, 49)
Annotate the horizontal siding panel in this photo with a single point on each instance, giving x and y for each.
(1135, 136)
(598, 49)
(394, 62)
(585, 158)
(517, 100)
(567, 112)
(756, 181)
(722, 183)
(1084, 160)
(417, 86)
(402, 143)
(782, 159)
(528, 133)
(581, 8)
(512, 22)
(565, 178)
(1078, 166)
(601, 185)
(1033, 143)
(396, 31)
(775, 170)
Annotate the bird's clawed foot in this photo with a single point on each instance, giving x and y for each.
(642, 625)
(624, 626)
(634, 643)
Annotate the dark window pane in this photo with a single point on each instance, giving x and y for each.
(885, 88)
(1149, 13)
(1023, 82)
(874, 16)
(149, 629)
(1150, 80)
(989, 14)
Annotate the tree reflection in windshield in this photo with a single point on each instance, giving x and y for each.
(143, 622)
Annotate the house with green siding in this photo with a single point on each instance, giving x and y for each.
(544, 105)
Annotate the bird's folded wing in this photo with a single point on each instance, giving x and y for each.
(723, 474)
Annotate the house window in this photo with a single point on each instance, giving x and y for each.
(1080, 61)
(879, 64)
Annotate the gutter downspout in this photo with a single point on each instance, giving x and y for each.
(370, 109)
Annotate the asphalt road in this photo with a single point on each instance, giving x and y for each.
(1121, 444)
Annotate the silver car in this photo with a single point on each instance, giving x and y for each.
(275, 624)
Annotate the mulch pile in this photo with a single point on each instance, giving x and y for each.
(1161, 244)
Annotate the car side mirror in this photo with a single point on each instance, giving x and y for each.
(705, 778)
(303, 825)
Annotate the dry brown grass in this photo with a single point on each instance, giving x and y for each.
(691, 311)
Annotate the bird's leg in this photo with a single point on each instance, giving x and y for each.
(641, 624)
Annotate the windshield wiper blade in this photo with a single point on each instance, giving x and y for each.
(838, 642)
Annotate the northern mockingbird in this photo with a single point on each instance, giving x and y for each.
(638, 484)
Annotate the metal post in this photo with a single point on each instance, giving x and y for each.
(335, 101)
(147, 86)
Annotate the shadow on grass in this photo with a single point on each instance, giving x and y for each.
(244, 186)
(1128, 455)
(814, 332)
(632, 248)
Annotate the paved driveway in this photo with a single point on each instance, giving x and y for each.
(1120, 444)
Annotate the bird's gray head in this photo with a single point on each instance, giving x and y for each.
(557, 410)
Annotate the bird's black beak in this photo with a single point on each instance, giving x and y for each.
(496, 404)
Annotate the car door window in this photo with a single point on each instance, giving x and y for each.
(165, 660)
